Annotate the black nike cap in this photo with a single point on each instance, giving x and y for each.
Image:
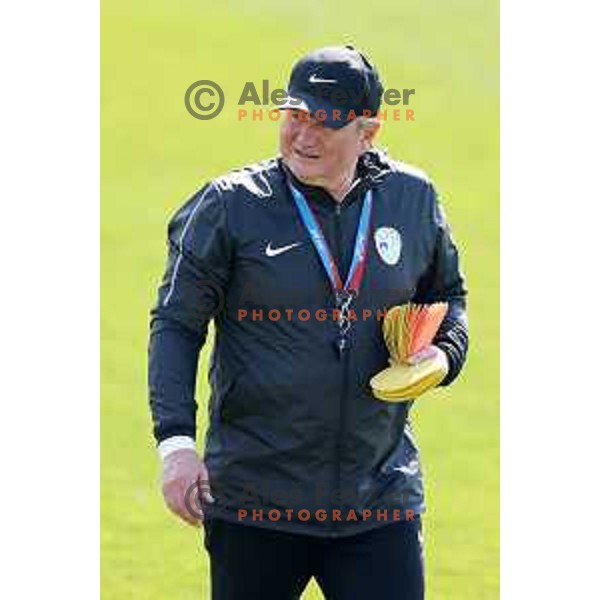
(334, 85)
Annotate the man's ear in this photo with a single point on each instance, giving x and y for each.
(370, 133)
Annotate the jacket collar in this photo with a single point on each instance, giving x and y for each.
(369, 170)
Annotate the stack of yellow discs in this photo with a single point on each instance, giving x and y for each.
(407, 330)
(402, 382)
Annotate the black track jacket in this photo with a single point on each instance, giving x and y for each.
(294, 432)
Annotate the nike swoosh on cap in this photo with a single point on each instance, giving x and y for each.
(276, 251)
(314, 79)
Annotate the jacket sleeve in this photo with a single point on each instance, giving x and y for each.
(443, 281)
(191, 294)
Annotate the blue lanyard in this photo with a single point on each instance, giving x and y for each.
(344, 293)
(361, 244)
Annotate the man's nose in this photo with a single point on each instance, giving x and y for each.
(307, 133)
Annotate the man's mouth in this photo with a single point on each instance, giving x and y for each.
(306, 154)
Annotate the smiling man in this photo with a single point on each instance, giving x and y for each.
(325, 157)
(304, 472)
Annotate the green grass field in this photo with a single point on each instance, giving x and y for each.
(154, 154)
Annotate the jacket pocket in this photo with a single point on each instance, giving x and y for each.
(392, 463)
(229, 406)
(403, 459)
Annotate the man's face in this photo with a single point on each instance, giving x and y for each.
(317, 154)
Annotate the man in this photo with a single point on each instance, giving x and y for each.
(304, 472)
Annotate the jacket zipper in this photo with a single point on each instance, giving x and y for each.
(344, 387)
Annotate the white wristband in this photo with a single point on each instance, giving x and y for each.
(176, 442)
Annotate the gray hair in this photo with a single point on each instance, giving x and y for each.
(366, 122)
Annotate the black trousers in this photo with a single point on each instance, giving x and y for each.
(249, 562)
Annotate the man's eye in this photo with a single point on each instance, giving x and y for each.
(301, 115)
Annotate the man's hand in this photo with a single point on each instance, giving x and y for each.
(427, 353)
(185, 485)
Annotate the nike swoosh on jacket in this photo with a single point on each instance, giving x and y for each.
(269, 251)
